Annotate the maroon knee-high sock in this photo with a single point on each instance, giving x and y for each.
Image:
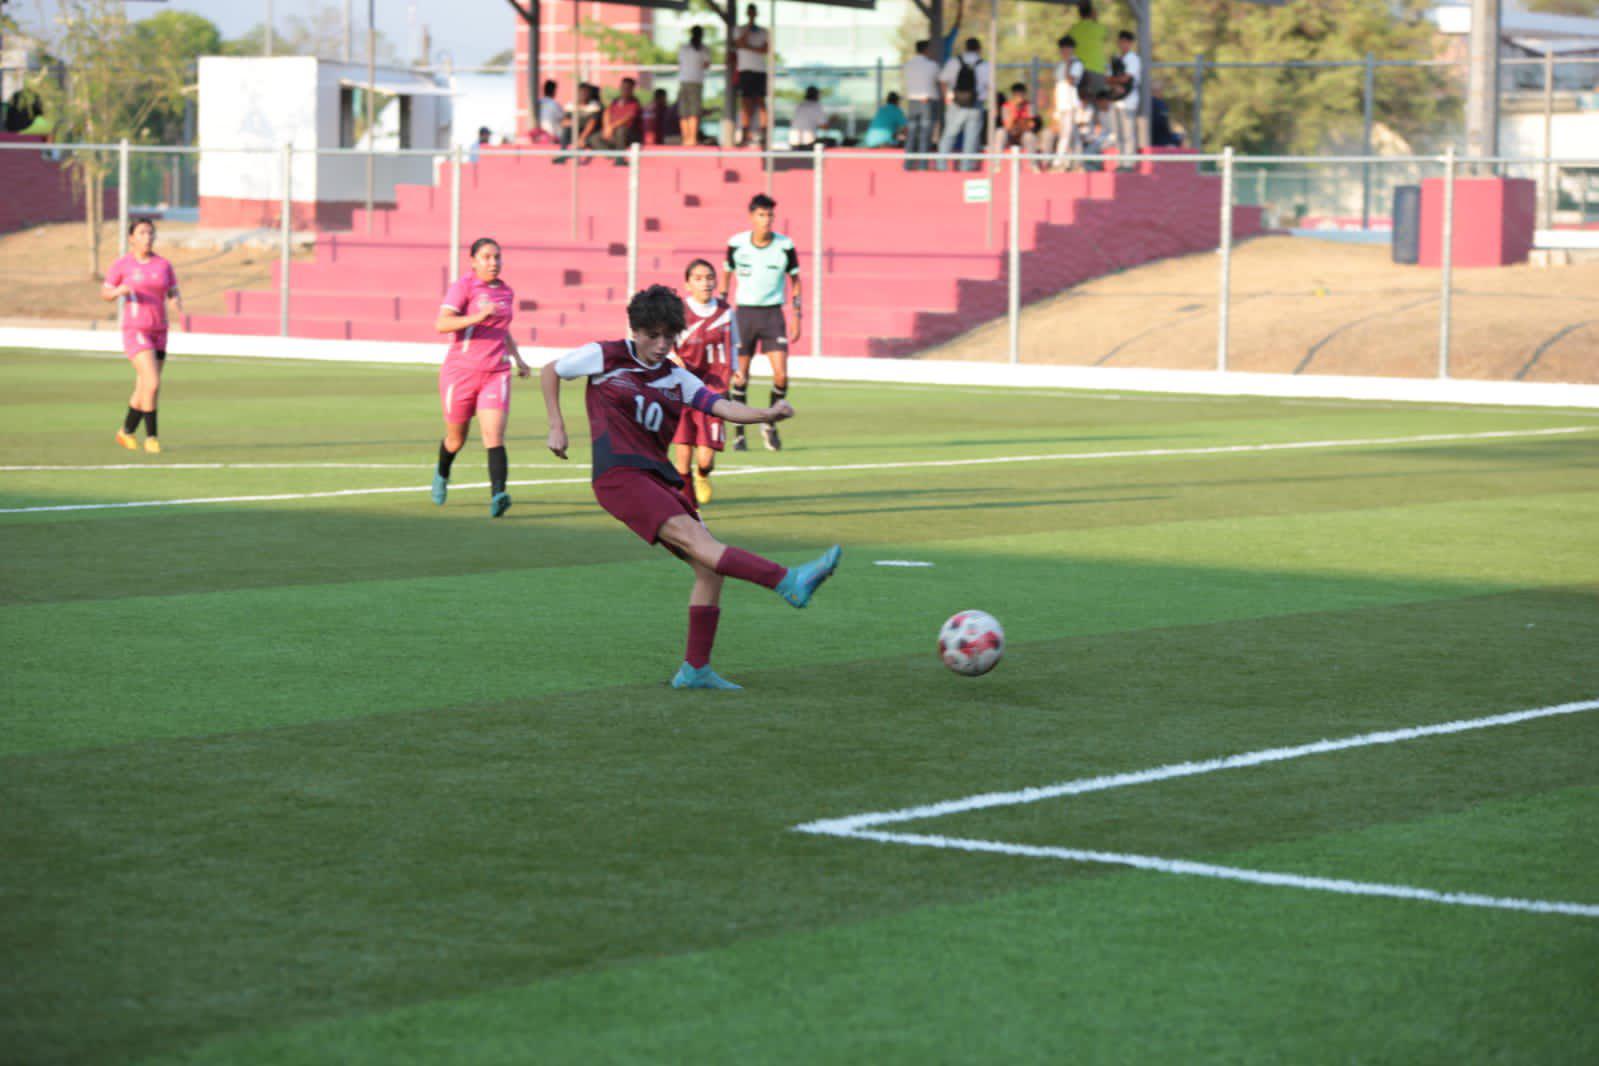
(747, 566)
(701, 635)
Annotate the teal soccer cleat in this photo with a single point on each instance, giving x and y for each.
(702, 677)
(500, 504)
(801, 582)
(441, 488)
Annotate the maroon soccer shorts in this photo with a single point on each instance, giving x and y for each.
(699, 429)
(641, 501)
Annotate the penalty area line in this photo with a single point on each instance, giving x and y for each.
(863, 826)
(1269, 878)
(917, 464)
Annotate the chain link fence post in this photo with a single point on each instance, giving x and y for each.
(122, 197)
(285, 239)
(1224, 297)
(1551, 188)
(1368, 108)
(1014, 258)
(632, 218)
(454, 260)
(1448, 259)
(818, 201)
(97, 211)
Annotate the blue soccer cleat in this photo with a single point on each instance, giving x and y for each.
(500, 504)
(801, 582)
(441, 488)
(702, 677)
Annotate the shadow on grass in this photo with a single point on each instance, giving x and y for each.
(163, 893)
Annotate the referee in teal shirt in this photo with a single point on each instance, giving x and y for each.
(762, 261)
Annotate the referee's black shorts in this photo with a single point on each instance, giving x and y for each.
(761, 324)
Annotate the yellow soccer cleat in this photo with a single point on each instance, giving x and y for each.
(152, 445)
(128, 441)
(702, 489)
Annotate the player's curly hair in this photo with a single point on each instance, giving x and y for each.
(657, 310)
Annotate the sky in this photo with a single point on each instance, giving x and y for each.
(468, 32)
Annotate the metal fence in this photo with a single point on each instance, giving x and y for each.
(1179, 260)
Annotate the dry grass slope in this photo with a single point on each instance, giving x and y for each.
(1307, 306)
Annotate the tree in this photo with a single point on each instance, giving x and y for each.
(1303, 111)
(108, 92)
(1579, 8)
(503, 58)
(320, 34)
(182, 37)
(1255, 110)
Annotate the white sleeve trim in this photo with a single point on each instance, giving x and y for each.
(691, 385)
(581, 362)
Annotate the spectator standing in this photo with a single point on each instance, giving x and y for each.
(1125, 80)
(624, 119)
(483, 137)
(921, 104)
(1066, 139)
(888, 126)
(551, 115)
(661, 122)
(693, 59)
(754, 48)
(809, 119)
(1089, 34)
(967, 80)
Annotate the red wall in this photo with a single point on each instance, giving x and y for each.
(1494, 220)
(556, 44)
(36, 190)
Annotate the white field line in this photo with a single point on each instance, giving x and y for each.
(1238, 873)
(995, 460)
(278, 496)
(862, 826)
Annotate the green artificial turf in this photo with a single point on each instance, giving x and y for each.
(358, 779)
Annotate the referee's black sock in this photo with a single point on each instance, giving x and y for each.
(130, 424)
(739, 394)
(446, 460)
(149, 425)
(778, 394)
(498, 466)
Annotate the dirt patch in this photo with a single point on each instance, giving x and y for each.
(1311, 306)
(44, 272)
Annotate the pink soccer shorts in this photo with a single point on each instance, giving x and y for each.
(135, 341)
(463, 393)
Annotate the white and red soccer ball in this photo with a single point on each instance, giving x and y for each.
(971, 643)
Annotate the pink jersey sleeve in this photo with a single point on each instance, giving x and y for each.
(457, 294)
(172, 279)
(117, 274)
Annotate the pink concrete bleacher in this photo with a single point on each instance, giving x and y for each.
(908, 262)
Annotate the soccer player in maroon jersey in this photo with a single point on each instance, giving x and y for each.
(148, 282)
(635, 399)
(708, 336)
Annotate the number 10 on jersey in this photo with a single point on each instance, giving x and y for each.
(649, 417)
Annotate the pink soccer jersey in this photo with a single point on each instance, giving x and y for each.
(152, 281)
(481, 347)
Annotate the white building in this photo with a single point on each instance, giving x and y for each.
(250, 107)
